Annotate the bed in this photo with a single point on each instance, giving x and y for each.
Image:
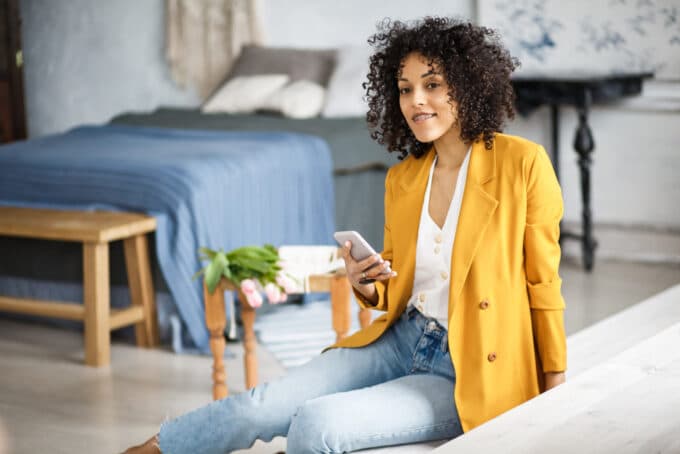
(359, 163)
(212, 176)
(205, 188)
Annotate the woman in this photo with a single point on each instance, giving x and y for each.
(471, 227)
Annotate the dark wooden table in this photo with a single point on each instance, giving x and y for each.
(581, 92)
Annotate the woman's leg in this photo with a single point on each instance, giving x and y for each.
(414, 408)
(266, 411)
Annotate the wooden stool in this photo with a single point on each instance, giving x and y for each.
(95, 229)
(215, 316)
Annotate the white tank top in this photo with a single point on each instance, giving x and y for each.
(433, 252)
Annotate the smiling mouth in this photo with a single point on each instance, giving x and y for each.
(423, 117)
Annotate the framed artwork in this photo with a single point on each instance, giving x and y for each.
(588, 37)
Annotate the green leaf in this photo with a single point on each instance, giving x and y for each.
(208, 252)
(214, 271)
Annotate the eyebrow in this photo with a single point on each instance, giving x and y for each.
(429, 73)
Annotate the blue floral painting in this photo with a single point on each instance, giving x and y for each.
(589, 37)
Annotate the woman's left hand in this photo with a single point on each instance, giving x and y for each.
(553, 379)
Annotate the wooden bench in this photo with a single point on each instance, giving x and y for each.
(215, 316)
(95, 230)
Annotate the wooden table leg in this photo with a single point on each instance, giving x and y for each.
(216, 320)
(96, 300)
(341, 306)
(249, 342)
(141, 288)
(364, 317)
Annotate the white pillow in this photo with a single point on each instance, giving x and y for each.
(301, 99)
(245, 94)
(345, 93)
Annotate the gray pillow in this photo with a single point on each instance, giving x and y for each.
(310, 64)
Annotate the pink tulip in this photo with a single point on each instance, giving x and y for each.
(286, 282)
(273, 292)
(249, 289)
(248, 286)
(254, 299)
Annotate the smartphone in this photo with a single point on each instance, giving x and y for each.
(360, 248)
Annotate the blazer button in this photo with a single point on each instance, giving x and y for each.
(484, 304)
(491, 357)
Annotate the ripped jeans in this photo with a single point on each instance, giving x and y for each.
(396, 390)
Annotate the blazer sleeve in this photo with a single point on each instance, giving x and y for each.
(542, 260)
(386, 254)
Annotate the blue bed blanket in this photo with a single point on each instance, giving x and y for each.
(214, 189)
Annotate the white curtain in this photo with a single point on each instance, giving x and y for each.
(203, 37)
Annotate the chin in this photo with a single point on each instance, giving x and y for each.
(426, 137)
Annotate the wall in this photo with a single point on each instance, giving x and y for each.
(332, 23)
(636, 164)
(86, 61)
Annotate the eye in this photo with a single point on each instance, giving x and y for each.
(404, 90)
(433, 85)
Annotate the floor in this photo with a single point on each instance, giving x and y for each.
(49, 402)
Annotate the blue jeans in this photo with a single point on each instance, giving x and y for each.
(397, 390)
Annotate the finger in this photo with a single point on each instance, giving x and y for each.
(346, 248)
(369, 261)
(385, 276)
(378, 269)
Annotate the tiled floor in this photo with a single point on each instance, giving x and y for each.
(49, 402)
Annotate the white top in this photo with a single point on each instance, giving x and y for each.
(433, 252)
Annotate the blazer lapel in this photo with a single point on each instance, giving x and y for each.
(476, 210)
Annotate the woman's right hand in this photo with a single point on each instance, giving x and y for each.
(366, 269)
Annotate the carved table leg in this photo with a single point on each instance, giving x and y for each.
(216, 320)
(249, 342)
(364, 317)
(584, 145)
(341, 306)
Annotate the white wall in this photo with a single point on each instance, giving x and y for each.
(86, 61)
(635, 173)
(333, 23)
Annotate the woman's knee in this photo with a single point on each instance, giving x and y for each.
(312, 429)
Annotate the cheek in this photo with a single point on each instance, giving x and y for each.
(402, 106)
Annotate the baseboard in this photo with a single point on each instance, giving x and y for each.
(628, 242)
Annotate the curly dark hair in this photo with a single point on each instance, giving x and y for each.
(475, 64)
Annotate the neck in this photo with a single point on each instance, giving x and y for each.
(450, 153)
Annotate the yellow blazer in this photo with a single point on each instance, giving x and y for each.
(505, 305)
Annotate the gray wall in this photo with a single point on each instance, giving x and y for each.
(87, 60)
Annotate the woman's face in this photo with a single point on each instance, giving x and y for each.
(424, 100)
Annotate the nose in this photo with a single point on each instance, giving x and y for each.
(418, 97)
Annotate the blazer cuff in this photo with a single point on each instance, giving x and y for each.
(546, 295)
(548, 328)
(364, 303)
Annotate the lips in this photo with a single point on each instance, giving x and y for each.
(421, 117)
